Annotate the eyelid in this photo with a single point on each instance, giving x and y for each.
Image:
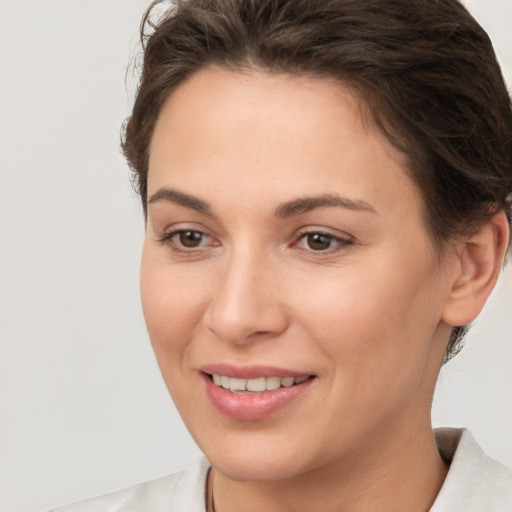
(343, 239)
(171, 234)
(166, 238)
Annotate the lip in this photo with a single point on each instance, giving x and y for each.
(251, 371)
(251, 406)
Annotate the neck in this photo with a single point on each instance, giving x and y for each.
(405, 472)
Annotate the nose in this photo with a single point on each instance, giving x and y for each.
(246, 303)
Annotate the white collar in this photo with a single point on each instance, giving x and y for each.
(475, 482)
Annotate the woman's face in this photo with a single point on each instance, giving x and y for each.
(286, 257)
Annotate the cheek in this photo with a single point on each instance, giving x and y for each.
(372, 322)
(173, 303)
(172, 309)
(377, 341)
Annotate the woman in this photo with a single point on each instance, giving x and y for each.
(327, 189)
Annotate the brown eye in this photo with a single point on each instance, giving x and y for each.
(190, 239)
(319, 242)
(188, 242)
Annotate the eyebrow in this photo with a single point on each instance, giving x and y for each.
(182, 199)
(306, 204)
(284, 210)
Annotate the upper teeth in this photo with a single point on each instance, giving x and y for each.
(256, 385)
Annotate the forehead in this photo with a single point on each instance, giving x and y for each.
(256, 133)
(217, 97)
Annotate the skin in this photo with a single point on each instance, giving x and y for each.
(369, 315)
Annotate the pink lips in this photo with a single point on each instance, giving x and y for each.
(251, 406)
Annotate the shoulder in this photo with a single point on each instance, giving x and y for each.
(179, 492)
(475, 481)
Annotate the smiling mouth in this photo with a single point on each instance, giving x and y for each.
(258, 385)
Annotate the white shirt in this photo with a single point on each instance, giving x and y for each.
(475, 483)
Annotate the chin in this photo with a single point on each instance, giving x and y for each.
(269, 468)
(258, 458)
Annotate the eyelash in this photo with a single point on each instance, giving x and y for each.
(167, 239)
(340, 242)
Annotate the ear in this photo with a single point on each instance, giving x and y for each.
(480, 259)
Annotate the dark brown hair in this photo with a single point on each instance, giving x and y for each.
(425, 70)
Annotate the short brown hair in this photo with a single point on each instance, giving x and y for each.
(425, 70)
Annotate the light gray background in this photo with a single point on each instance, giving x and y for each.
(83, 408)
